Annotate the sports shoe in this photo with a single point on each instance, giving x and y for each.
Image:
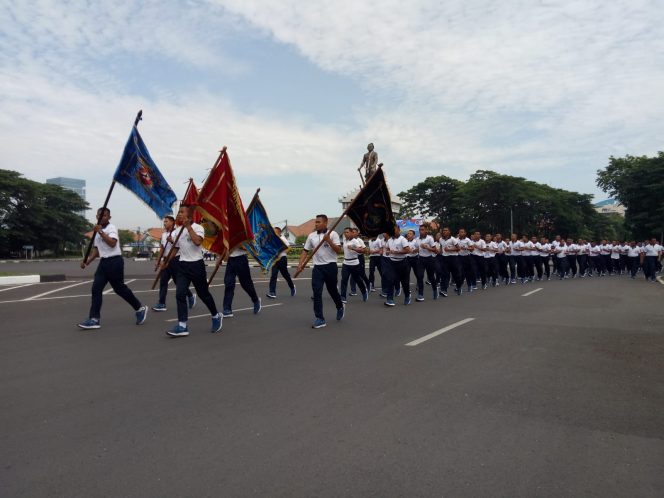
(141, 315)
(90, 323)
(365, 296)
(319, 323)
(407, 300)
(341, 312)
(216, 323)
(344, 300)
(485, 287)
(178, 331)
(398, 292)
(191, 300)
(271, 295)
(372, 288)
(459, 291)
(444, 293)
(293, 291)
(389, 302)
(159, 307)
(258, 306)
(227, 313)
(419, 298)
(382, 294)
(353, 293)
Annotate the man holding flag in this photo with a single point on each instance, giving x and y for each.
(280, 265)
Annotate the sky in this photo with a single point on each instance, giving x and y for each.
(547, 90)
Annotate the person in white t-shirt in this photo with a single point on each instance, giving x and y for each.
(477, 257)
(109, 271)
(466, 246)
(561, 254)
(397, 250)
(376, 246)
(426, 262)
(544, 253)
(170, 271)
(237, 267)
(325, 272)
(651, 254)
(448, 262)
(353, 246)
(633, 258)
(490, 252)
(502, 258)
(280, 266)
(191, 270)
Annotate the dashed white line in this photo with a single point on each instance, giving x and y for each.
(532, 292)
(234, 311)
(438, 332)
(55, 290)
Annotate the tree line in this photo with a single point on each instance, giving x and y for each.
(492, 202)
(40, 215)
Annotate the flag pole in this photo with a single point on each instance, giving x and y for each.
(139, 116)
(320, 244)
(218, 265)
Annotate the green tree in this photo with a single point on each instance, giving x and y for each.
(433, 197)
(44, 216)
(638, 183)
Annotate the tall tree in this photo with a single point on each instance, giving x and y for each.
(433, 197)
(41, 215)
(638, 183)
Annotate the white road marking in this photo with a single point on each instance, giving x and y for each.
(74, 296)
(532, 292)
(109, 291)
(15, 287)
(38, 296)
(234, 311)
(438, 332)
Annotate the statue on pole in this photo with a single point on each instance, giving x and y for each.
(369, 162)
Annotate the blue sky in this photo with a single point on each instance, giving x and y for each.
(545, 90)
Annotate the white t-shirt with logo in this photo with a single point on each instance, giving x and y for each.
(325, 255)
(189, 251)
(396, 244)
(106, 251)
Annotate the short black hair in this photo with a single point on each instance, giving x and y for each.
(104, 210)
(324, 216)
(169, 217)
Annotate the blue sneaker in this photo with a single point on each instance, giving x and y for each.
(319, 323)
(159, 307)
(398, 292)
(389, 302)
(293, 291)
(257, 306)
(365, 296)
(216, 323)
(271, 295)
(344, 300)
(90, 323)
(191, 300)
(141, 315)
(407, 300)
(420, 298)
(227, 313)
(459, 291)
(340, 312)
(178, 331)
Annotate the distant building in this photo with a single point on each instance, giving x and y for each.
(73, 184)
(610, 206)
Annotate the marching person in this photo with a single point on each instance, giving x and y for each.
(490, 261)
(280, 266)
(237, 266)
(477, 255)
(502, 258)
(649, 257)
(544, 255)
(325, 272)
(376, 246)
(353, 246)
(465, 263)
(169, 271)
(412, 256)
(571, 251)
(110, 270)
(426, 263)
(449, 263)
(595, 258)
(561, 255)
(360, 259)
(397, 249)
(633, 258)
(191, 270)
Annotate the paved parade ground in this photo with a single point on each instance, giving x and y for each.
(545, 389)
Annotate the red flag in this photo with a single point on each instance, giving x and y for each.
(190, 198)
(225, 221)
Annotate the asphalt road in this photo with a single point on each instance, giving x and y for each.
(557, 393)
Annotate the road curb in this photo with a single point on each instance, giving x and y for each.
(19, 279)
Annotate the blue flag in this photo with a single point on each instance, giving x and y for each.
(138, 172)
(267, 244)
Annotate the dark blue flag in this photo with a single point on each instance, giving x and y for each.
(138, 172)
(267, 244)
